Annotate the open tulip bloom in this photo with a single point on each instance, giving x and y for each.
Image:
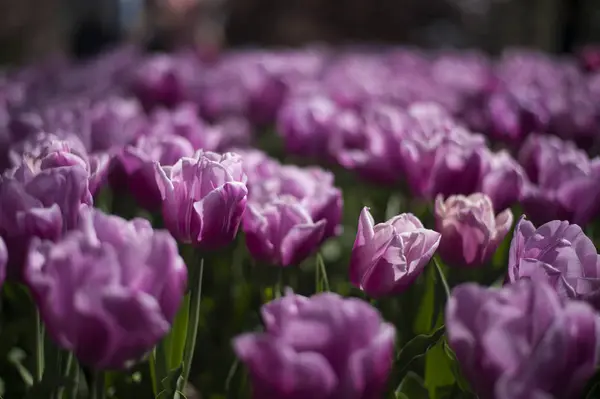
(388, 257)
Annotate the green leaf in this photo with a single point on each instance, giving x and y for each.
(48, 386)
(401, 395)
(175, 341)
(423, 321)
(16, 357)
(417, 347)
(413, 386)
(438, 370)
(441, 277)
(171, 395)
(171, 380)
(454, 365)
(594, 392)
(446, 392)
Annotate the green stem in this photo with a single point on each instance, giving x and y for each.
(67, 370)
(160, 363)
(192, 332)
(74, 375)
(153, 376)
(98, 386)
(442, 277)
(278, 285)
(318, 285)
(39, 348)
(321, 264)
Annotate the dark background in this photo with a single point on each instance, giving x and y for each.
(33, 29)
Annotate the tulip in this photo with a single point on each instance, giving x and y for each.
(471, 232)
(559, 253)
(522, 340)
(504, 180)
(322, 347)
(109, 290)
(367, 149)
(312, 186)
(3, 260)
(137, 163)
(203, 198)
(183, 121)
(160, 81)
(563, 181)
(257, 165)
(42, 205)
(61, 151)
(447, 161)
(281, 232)
(45, 151)
(223, 93)
(303, 122)
(388, 257)
(115, 122)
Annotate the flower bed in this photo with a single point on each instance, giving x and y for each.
(309, 223)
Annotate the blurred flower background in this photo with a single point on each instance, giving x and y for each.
(300, 199)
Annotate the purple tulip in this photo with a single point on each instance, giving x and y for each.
(108, 291)
(42, 205)
(115, 122)
(222, 93)
(184, 121)
(266, 92)
(322, 347)
(504, 180)
(522, 341)
(61, 151)
(257, 165)
(45, 151)
(304, 123)
(160, 80)
(563, 181)
(388, 257)
(446, 160)
(203, 198)
(471, 231)
(364, 147)
(136, 162)
(312, 186)
(3, 261)
(559, 253)
(505, 118)
(281, 232)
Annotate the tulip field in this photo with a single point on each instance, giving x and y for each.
(317, 223)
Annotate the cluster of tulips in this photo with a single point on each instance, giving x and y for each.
(317, 223)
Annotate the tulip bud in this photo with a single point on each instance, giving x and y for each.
(559, 253)
(203, 198)
(471, 232)
(522, 341)
(388, 257)
(320, 347)
(108, 291)
(281, 232)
